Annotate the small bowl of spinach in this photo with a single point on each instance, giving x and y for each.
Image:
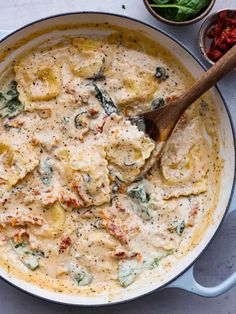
(179, 12)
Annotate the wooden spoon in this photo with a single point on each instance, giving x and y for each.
(161, 122)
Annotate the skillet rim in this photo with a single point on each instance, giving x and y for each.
(165, 285)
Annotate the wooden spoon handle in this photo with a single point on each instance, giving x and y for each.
(222, 67)
(160, 123)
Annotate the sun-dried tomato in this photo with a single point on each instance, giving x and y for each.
(65, 243)
(232, 22)
(223, 34)
(224, 46)
(223, 15)
(215, 43)
(231, 41)
(218, 29)
(211, 32)
(233, 33)
(214, 55)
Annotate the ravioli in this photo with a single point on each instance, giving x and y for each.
(39, 77)
(131, 85)
(89, 203)
(127, 148)
(87, 59)
(15, 164)
(185, 161)
(92, 181)
(86, 168)
(41, 82)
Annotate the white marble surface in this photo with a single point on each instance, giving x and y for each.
(220, 258)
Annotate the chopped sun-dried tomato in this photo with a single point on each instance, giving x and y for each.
(65, 243)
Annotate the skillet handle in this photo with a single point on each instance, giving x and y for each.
(4, 32)
(188, 282)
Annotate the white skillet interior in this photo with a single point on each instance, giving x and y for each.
(227, 150)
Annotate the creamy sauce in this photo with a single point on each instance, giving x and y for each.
(86, 206)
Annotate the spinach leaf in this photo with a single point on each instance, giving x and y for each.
(177, 226)
(21, 244)
(180, 227)
(10, 105)
(157, 103)
(81, 120)
(139, 193)
(115, 187)
(13, 89)
(106, 101)
(143, 211)
(161, 74)
(30, 260)
(156, 261)
(167, 12)
(161, 1)
(185, 7)
(80, 275)
(46, 171)
(12, 109)
(180, 10)
(128, 270)
(27, 256)
(2, 99)
(142, 208)
(139, 122)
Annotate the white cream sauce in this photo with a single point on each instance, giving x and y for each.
(80, 211)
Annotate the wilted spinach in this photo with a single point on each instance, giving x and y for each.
(10, 105)
(139, 193)
(128, 270)
(177, 226)
(46, 171)
(139, 122)
(81, 120)
(106, 101)
(30, 258)
(142, 209)
(157, 103)
(161, 74)
(79, 275)
(180, 227)
(156, 261)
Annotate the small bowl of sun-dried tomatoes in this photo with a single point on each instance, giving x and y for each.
(218, 34)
